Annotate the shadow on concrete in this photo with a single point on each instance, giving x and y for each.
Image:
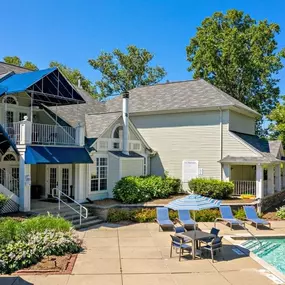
(10, 280)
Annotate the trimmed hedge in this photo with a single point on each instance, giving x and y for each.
(213, 188)
(149, 215)
(134, 189)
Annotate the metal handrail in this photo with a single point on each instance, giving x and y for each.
(60, 193)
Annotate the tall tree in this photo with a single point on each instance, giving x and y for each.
(15, 60)
(124, 71)
(276, 129)
(238, 55)
(73, 75)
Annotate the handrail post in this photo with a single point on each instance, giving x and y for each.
(59, 198)
(80, 215)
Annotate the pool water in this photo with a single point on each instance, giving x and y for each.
(271, 250)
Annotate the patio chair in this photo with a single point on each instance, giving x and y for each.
(185, 219)
(228, 217)
(252, 217)
(162, 218)
(179, 244)
(213, 231)
(215, 245)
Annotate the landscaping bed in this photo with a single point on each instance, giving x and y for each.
(51, 265)
(26, 242)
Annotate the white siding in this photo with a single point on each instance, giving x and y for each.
(131, 167)
(241, 123)
(192, 136)
(113, 172)
(234, 146)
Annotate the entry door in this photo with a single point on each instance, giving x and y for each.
(59, 177)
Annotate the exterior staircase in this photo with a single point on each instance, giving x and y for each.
(69, 215)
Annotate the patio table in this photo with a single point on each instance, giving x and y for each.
(195, 236)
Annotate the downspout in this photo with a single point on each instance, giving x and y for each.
(125, 114)
(221, 140)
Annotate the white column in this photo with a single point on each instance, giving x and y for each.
(81, 181)
(259, 181)
(278, 177)
(283, 176)
(25, 183)
(270, 178)
(226, 172)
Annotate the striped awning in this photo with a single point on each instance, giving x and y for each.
(194, 202)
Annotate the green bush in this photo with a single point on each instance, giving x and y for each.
(3, 200)
(149, 215)
(23, 253)
(134, 189)
(239, 214)
(14, 230)
(281, 213)
(213, 188)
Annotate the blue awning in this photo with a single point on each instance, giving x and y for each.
(21, 82)
(56, 155)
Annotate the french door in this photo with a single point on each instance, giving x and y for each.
(59, 176)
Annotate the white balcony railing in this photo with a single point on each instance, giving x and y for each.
(43, 134)
(244, 187)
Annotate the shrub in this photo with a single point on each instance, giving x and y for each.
(20, 254)
(240, 214)
(10, 230)
(281, 213)
(213, 188)
(44, 222)
(134, 189)
(149, 215)
(3, 200)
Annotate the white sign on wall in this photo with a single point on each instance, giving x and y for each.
(190, 170)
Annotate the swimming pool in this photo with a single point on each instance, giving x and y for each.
(271, 250)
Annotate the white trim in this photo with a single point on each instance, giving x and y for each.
(89, 174)
(9, 161)
(253, 149)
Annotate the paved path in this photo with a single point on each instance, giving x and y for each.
(139, 254)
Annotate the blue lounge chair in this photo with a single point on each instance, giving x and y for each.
(185, 219)
(252, 217)
(162, 218)
(228, 217)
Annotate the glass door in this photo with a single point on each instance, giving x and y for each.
(65, 180)
(52, 179)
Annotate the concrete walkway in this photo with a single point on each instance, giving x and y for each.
(139, 254)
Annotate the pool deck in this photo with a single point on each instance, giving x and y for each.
(139, 254)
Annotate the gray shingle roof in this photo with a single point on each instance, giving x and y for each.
(244, 159)
(176, 96)
(274, 147)
(132, 154)
(6, 68)
(73, 114)
(98, 123)
(260, 144)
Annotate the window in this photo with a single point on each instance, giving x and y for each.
(9, 118)
(117, 134)
(9, 157)
(22, 115)
(10, 100)
(145, 165)
(99, 180)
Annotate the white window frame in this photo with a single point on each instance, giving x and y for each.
(94, 166)
(145, 164)
(9, 161)
(10, 96)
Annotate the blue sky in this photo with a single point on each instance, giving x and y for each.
(74, 31)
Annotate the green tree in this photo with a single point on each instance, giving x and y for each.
(15, 60)
(276, 128)
(73, 75)
(124, 71)
(238, 55)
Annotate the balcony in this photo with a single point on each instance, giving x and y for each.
(26, 132)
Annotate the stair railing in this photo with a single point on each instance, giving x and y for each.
(59, 198)
(9, 181)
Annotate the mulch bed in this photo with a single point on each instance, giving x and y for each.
(51, 265)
